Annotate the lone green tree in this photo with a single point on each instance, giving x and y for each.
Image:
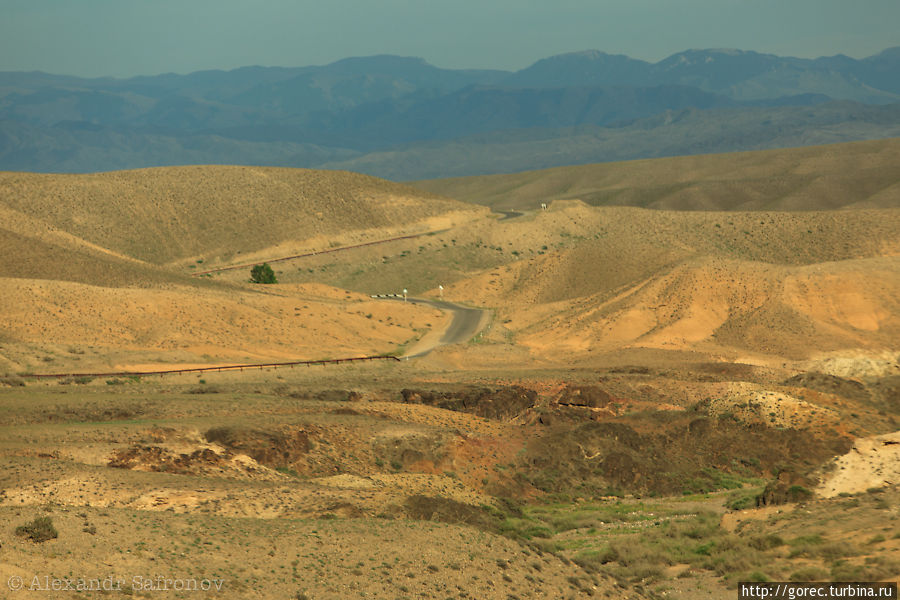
(262, 274)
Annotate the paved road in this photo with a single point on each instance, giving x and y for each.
(466, 323)
(508, 214)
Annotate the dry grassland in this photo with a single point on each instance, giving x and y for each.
(170, 214)
(654, 391)
(850, 175)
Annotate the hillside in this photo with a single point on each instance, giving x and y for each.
(638, 380)
(33, 249)
(740, 311)
(572, 257)
(775, 285)
(57, 326)
(171, 214)
(860, 174)
(97, 267)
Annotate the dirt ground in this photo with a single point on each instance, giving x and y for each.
(396, 483)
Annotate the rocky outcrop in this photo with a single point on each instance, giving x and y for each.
(589, 396)
(273, 448)
(492, 403)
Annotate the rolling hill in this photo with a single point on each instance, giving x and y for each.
(773, 237)
(860, 175)
(96, 269)
(646, 377)
(173, 214)
(755, 286)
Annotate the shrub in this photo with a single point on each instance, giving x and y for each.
(742, 501)
(809, 574)
(262, 274)
(876, 568)
(798, 493)
(12, 381)
(766, 542)
(534, 531)
(80, 380)
(39, 530)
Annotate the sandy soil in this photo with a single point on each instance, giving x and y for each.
(72, 322)
(873, 462)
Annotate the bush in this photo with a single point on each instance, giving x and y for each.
(766, 542)
(262, 274)
(742, 501)
(12, 381)
(807, 574)
(81, 380)
(39, 530)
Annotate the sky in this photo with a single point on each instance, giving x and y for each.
(123, 38)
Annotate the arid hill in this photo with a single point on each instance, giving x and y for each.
(639, 382)
(33, 249)
(857, 175)
(171, 214)
(57, 326)
(89, 280)
(775, 284)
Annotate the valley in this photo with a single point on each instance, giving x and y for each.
(677, 375)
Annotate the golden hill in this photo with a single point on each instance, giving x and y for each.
(725, 309)
(34, 250)
(53, 326)
(573, 278)
(728, 308)
(95, 275)
(721, 283)
(165, 215)
(850, 175)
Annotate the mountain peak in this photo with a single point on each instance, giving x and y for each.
(586, 67)
(383, 60)
(888, 54)
(587, 56)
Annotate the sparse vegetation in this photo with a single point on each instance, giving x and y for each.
(12, 381)
(594, 429)
(39, 530)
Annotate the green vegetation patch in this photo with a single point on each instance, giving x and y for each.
(39, 530)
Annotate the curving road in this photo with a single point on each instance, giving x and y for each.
(465, 324)
(508, 214)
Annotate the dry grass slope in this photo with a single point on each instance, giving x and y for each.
(168, 214)
(850, 175)
(771, 284)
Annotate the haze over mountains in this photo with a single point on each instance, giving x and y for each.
(402, 118)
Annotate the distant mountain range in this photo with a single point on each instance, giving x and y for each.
(403, 118)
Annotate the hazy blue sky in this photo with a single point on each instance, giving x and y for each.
(132, 37)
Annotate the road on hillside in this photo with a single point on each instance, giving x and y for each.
(508, 214)
(465, 324)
